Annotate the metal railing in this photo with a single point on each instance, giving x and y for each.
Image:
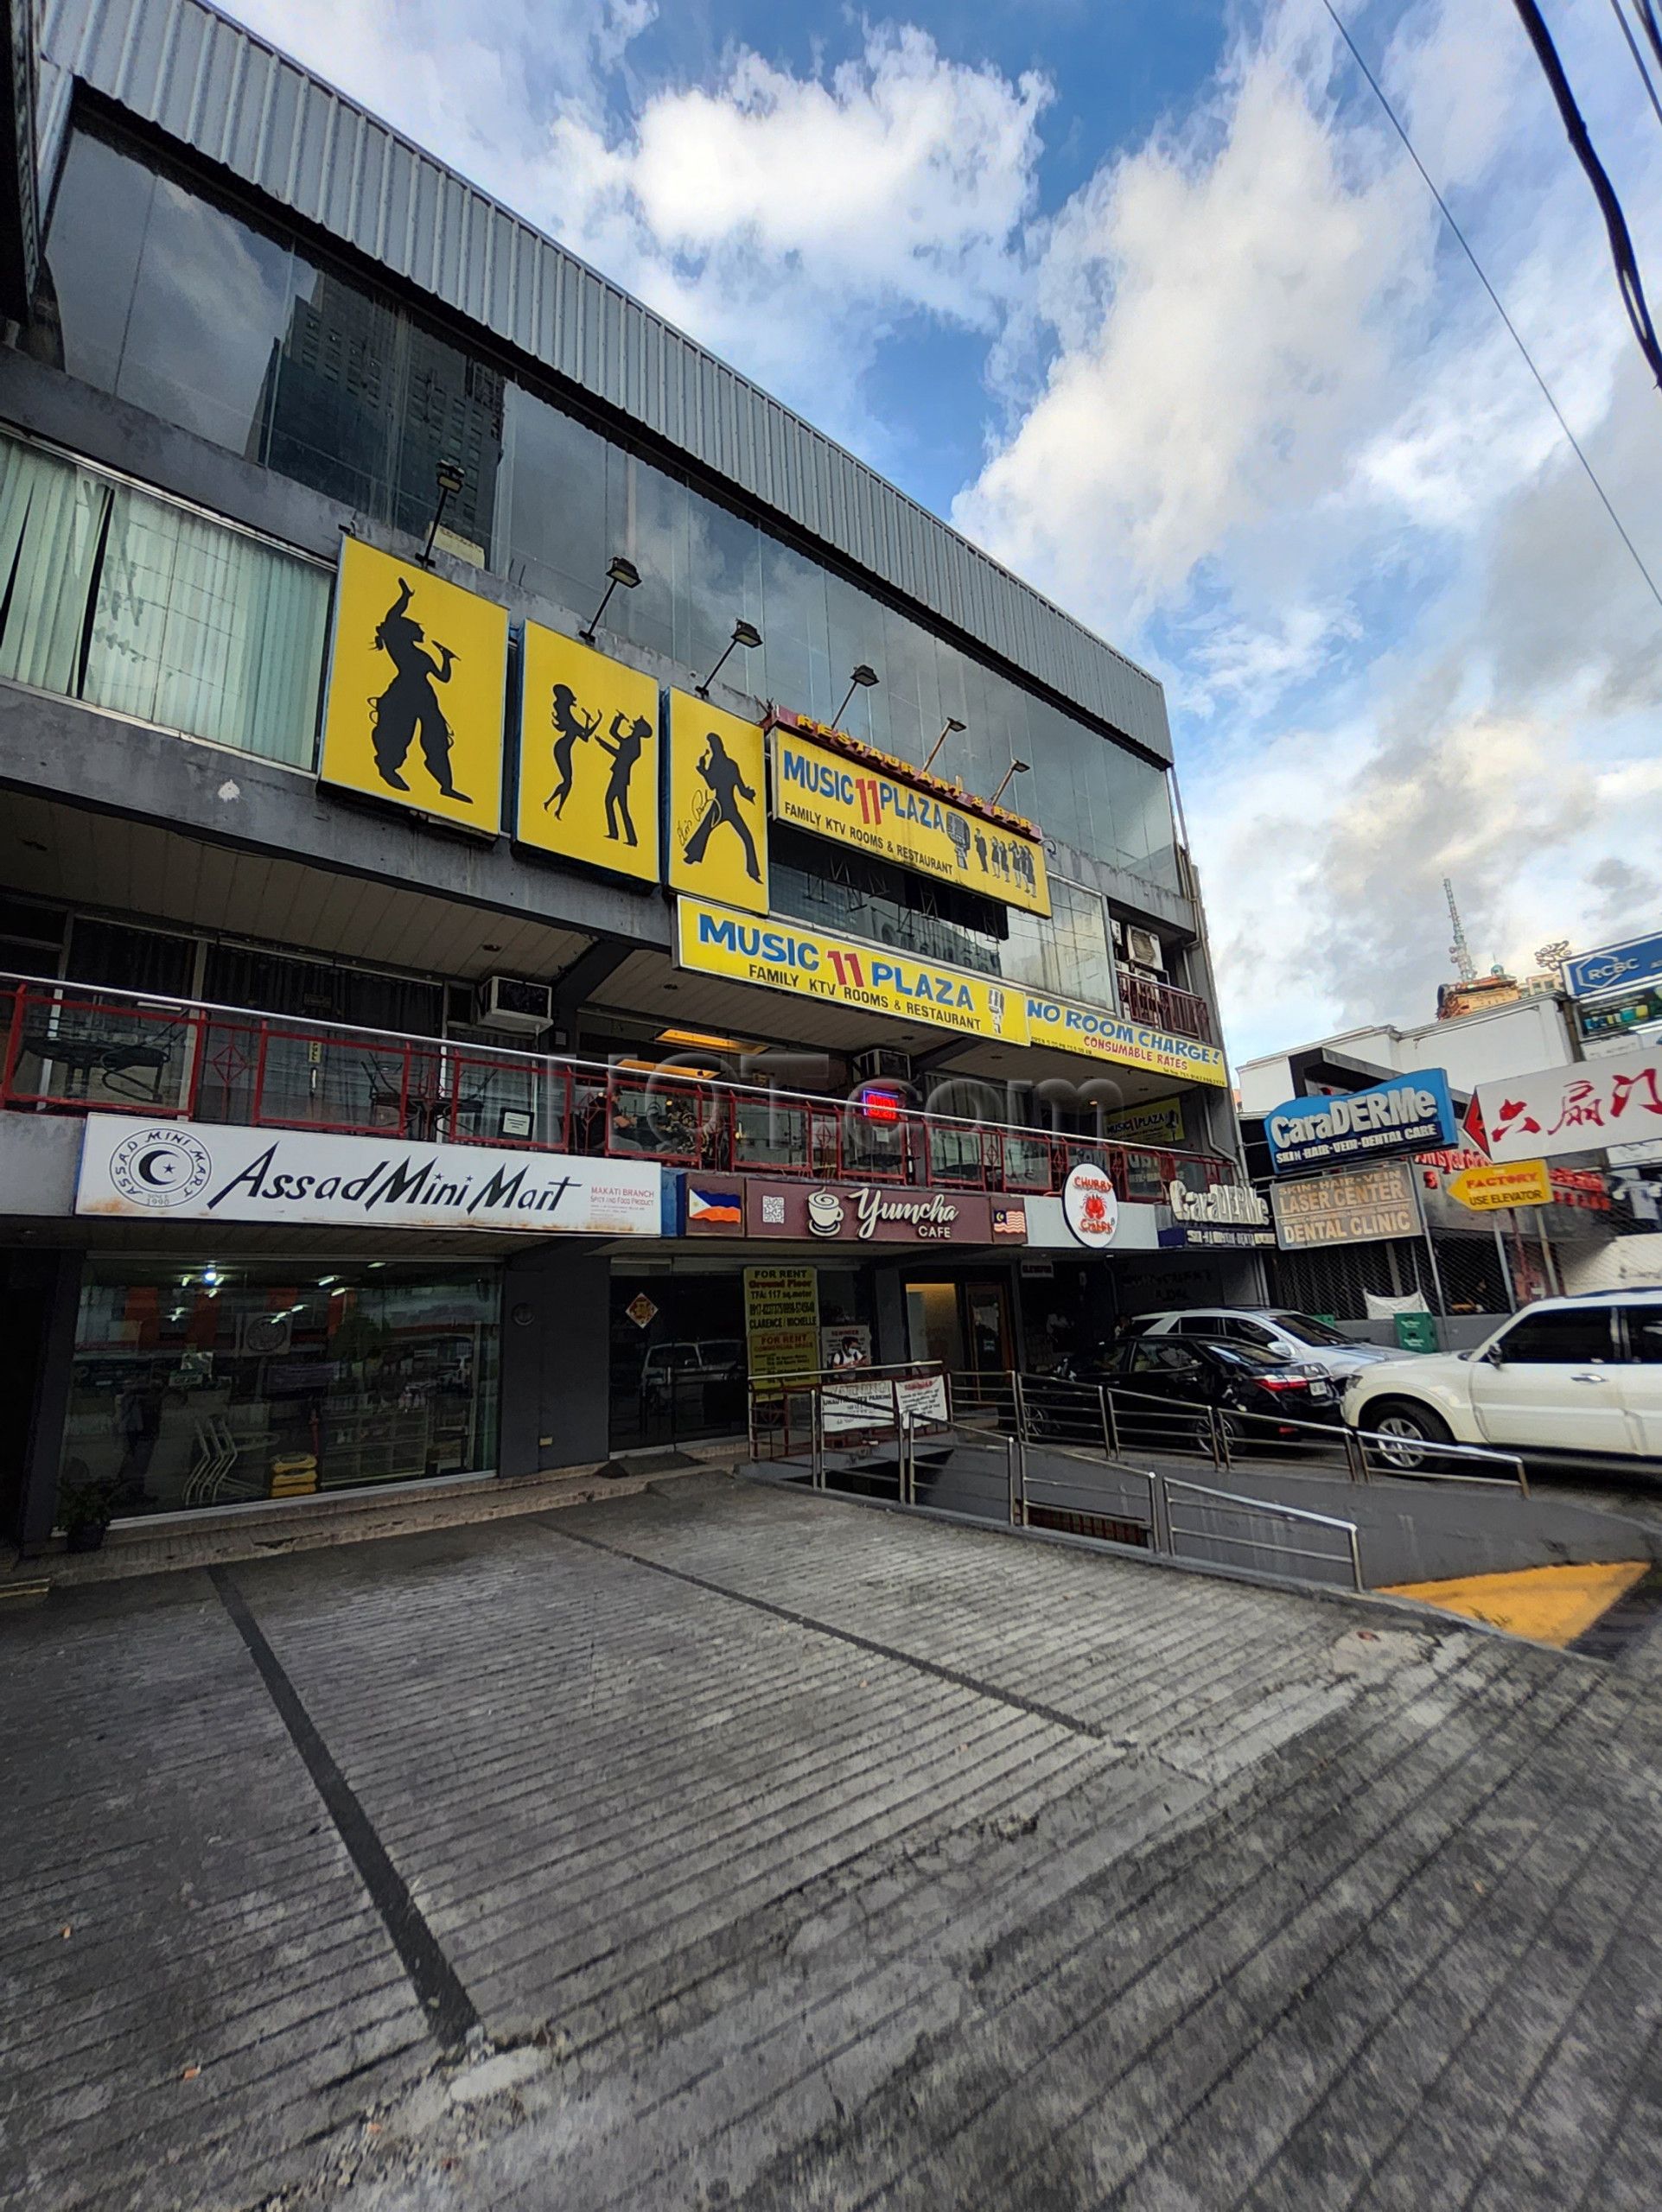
(65, 1048)
(1164, 1005)
(1054, 1410)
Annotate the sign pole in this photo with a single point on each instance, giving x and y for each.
(1505, 1264)
(1430, 1250)
(1549, 1258)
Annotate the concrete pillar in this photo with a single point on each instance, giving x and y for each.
(41, 1299)
(556, 1359)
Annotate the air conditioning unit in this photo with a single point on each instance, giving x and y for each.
(506, 1002)
(883, 1064)
(1142, 950)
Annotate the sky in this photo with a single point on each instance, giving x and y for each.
(1147, 299)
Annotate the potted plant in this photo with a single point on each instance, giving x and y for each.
(85, 1509)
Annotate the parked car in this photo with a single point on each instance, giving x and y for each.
(1200, 1374)
(1568, 1378)
(1272, 1328)
(685, 1371)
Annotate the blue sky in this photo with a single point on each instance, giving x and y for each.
(1147, 299)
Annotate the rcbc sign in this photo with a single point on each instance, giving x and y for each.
(1091, 1206)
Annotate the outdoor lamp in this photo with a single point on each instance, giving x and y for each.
(620, 572)
(1015, 768)
(745, 634)
(449, 476)
(952, 723)
(861, 678)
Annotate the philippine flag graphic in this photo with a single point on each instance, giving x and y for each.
(718, 1209)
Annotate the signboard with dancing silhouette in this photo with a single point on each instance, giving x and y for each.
(718, 808)
(417, 676)
(588, 755)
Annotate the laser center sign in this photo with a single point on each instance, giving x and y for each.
(859, 804)
(813, 963)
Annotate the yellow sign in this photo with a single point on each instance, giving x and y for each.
(1101, 1035)
(718, 815)
(782, 1321)
(588, 757)
(1518, 1183)
(417, 674)
(783, 956)
(825, 792)
(1160, 1122)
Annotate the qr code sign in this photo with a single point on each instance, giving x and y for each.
(773, 1211)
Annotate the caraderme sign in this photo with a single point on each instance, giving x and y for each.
(1405, 1115)
(195, 1171)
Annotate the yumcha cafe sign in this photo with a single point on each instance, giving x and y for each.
(1408, 1114)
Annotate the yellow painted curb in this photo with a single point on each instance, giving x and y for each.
(1549, 1605)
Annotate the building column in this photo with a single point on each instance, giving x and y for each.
(556, 1359)
(40, 1294)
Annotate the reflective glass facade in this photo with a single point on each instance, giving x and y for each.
(211, 321)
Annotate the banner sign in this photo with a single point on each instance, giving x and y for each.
(783, 956)
(589, 757)
(718, 810)
(821, 791)
(1486, 1190)
(879, 1213)
(197, 1170)
(1101, 1035)
(782, 1321)
(416, 690)
(1615, 968)
(1360, 1205)
(1405, 1115)
(1578, 1109)
(1159, 1122)
(848, 1403)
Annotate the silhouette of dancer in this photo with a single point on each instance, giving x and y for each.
(727, 786)
(572, 729)
(410, 705)
(631, 736)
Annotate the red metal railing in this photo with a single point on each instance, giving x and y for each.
(69, 1049)
(1163, 1006)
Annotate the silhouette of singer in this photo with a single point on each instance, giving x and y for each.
(573, 728)
(409, 704)
(631, 736)
(727, 786)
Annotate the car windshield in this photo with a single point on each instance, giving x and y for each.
(1310, 1331)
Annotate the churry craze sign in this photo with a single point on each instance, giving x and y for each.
(718, 808)
(418, 679)
(195, 1171)
(1100, 1034)
(782, 955)
(589, 757)
(879, 810)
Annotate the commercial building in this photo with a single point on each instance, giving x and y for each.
(535, 885)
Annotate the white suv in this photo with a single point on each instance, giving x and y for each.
(1571, 1377)
(1271, 1328)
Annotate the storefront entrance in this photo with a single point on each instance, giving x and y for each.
(966, 1325)
(224, 1383)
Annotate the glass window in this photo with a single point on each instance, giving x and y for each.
(1577, 1335)
(1644, 1334)
(195, 1384)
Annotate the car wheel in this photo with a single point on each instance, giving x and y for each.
(1408, 1432)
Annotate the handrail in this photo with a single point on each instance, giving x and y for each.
(237, 1063)
(1272, 1509)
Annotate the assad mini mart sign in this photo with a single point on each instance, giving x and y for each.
(192, 1171)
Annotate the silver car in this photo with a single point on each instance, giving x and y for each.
(1273, 1328)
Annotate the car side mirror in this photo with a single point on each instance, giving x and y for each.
(1494, 1356)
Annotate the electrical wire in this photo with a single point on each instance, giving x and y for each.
(1621, 244)
(1513, 330)
(1618, 11)
(1653, 29)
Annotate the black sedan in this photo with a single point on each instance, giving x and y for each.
(1155, 1380)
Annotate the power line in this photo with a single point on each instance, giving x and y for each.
(1621, 244)
(1511, 328)
(1617, 10)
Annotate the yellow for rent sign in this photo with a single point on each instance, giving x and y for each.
(1518, 1183)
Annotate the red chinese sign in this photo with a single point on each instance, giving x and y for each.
(1578, 1109)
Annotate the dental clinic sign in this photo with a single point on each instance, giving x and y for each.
(1408, 1114)
(195, 1171)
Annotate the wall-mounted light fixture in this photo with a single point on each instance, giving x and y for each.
(745, 634)
(1015, 768)
(450, 477)
(861, 678)
(952, 723)
(620, 572)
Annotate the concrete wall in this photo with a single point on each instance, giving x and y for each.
(40, 1156)
(555, 1360)
(1477, 1048)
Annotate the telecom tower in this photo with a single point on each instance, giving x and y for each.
(1459, 952)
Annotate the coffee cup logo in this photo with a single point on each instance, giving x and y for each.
(826, 1213)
